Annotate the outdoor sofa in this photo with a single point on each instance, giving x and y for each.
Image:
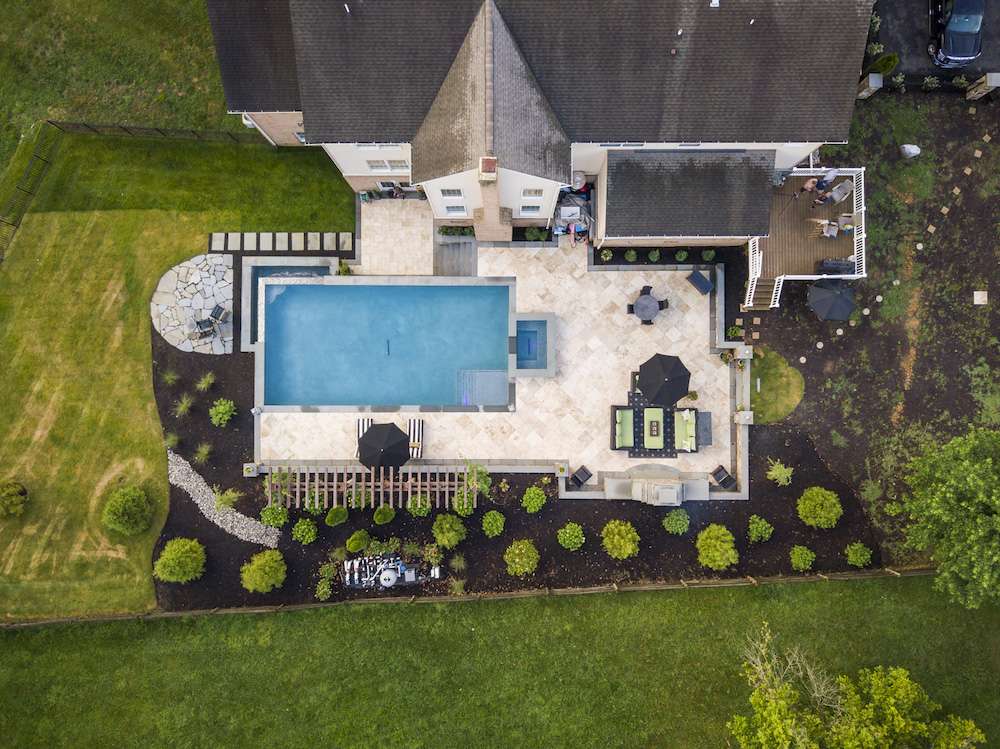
(622, 423)
(685, 430)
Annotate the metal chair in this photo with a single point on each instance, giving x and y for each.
(663, 303)
(630, 309)
(647, 322)
(646, 290)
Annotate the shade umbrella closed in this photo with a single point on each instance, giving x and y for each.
(384, 445)
(831, 299)
(664, 380)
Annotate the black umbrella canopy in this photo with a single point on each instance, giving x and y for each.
(384, 445)
(664, 380)
(831, 300)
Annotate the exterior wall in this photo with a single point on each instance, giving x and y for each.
(472, 197)
(361, 184)
(672, 241)
(511, 185)
(352, 159)
(589, 157)
(600, 201)
(278, 127)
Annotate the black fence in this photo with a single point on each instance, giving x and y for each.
(31, 179)
(223, 136)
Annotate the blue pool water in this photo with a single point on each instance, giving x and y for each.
(531, 344)
(385, 345)
(260, 271)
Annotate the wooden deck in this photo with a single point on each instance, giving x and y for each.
(795, 243)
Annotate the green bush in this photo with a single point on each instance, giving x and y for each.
(304, 531)
(654, 256)
(411, 550)
(606, 255)
(338, 554)
(383, 515)
(358, 541)
(202, 453)
(716, 547)
(336, 516)
(463, 503)
(707, 256)
(493, 522)
(885, 64)
(676, 522)
(858, 555)
(433, 555)
(456, 586)
(802, 558)
(274, 516)
(221, 412)
(377, 547)
(448, 530)
(419, 506)
(169, 378)
(128, 511)
(205, 382)
(360, 499)
(171, 440)
(182, 407)
(521, 558)
(620, 539)
(570, 536)
(819, 508)
(734, 331)
(681, 255)
(534, 499)
(324, 589)
(536, 234)
(226, 498)
(181, 561)
(479, 478)
(631, 255)
(312, 505)
(777, 471)
(759, 530)
(264, 572)
(13, 498)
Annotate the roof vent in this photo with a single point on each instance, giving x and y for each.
(714, 4)
(487, 169)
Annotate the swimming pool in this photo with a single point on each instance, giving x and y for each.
(265, 271)
(361, 344)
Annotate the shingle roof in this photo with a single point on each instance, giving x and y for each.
(689, 193)
(256, 53)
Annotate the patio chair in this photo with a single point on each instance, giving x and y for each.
(647, 322)
(218, 314)
(630, 309)
(200, 329)
(581, 477)
(363, 425)
(663, 304)
(724, 478)
(415, 430)
(646, 290)
(622, 427)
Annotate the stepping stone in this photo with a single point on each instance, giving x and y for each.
(931, 229)
(281, 241)
(249, 242)
(298, 241)
(944, 210)
(980, 297)
(217, 242)
(266, 242)
(802, 360)
(329, 241)
(233, 243)
(345, 241)
(972, 110)
(987, 138)
(878, 298)
(738, 321)
(819, 344)
(920, 245)
(755, 336)
(956, 190)
(756, 321)
(312, 241)
(967, 170)
(840, 331)
(977, 153)
(866, 311)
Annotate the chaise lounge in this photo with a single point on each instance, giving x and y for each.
(622, 427)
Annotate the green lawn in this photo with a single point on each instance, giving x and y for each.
(781, 386)
(651, 669)
(136, 61)
(78, 413)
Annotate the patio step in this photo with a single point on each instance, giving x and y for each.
(762, 294)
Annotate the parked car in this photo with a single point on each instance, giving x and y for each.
(956, 28)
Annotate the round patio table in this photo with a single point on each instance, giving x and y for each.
(646, 307)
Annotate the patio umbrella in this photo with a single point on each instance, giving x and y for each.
(664, 380)
(831, 300)
(384, 445)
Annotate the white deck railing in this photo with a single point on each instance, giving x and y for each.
(776, 294)
(754, 254)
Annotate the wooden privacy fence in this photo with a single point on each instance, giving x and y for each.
(24, 191)
(358, 486)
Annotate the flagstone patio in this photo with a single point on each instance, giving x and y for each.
(566, 417)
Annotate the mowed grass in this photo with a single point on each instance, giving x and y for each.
(651, 669)
(143, 62)
(781, 386)
(75, 379)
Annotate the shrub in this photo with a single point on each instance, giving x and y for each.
(734, 331)
(336, 516)
(324, 589)
(874, 49)
(433, 555)
(171, 440)
(892, 509)
(479, 478)
(343, 268)
(606, 255)
(676, 522)
(205, 382)
(411, 550)
(221, 412)
(202, 453)
(304, 531)
(181, 561)
(358, 541)
(716, 547)
(419, 506)
(654, 256)
(875, 23)
(360, 499)
(681, 255)
(463, 503)
(620, 539)
(858, 555)
(570, 536)
(631, 255)
(533, 499)
(226, 498)
(536, 234)
(377, 547)
(456, 587)
(885, 64)
(899, 82)
(779, 473)
(448, 530)
(493, 522)
(264, 572)
(457, 563)
(169, 378)
(383, 515)
(274, 516)
(802, 558)
(182, 407)
(128, 511)
(819, 508)
(521, 558)
(707, 256)
(960, 82)
(13, 498)
(759, 530)
(338, 554)
(930, 83)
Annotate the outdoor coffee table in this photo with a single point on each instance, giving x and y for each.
(646, 307)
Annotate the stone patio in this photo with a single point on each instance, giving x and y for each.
(567, 417)
(397, 238)
(188, 292)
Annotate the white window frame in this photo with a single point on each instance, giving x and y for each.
(384, 169)
(528, 193)
(394, 168)
(367, 147)
(460, 197)
(456, 209)
(531, 210)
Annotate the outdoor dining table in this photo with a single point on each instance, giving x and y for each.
(646, 307)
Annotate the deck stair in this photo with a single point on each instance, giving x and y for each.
(762, 294)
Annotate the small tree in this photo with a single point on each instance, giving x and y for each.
(493, 523)
(448, 530)
(620, 539)
(181, 561)
(264, 572)
(383, 515)
(13, 498)
(954, 504)
(819, 507)
(221, 412)
(358, 541)
(304, 531)
(759, 530)
(128, 511)
(802, 558)
(570, 536)
(274, 516)
(858, 555)
(521, 558)
(716, 547)
(533, 499)
(676, 522)
(779, 473)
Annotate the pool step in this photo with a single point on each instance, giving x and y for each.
(482, 387)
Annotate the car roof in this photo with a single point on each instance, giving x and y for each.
(969, 7)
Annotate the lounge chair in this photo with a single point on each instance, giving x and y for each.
(218, 314)
(622, 421)
(363, 425)
(581, 476)
(685, 430)
(724, 478)
(415, 430)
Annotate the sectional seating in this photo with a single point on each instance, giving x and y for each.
(685, 430)
(622, 426)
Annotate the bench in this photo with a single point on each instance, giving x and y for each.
(699, 281)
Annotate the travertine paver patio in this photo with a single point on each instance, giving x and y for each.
(187, 293)
(566, 417)
(397, 238)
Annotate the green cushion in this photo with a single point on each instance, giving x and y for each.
(623, 429)
(649, 441)
(685, 424)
